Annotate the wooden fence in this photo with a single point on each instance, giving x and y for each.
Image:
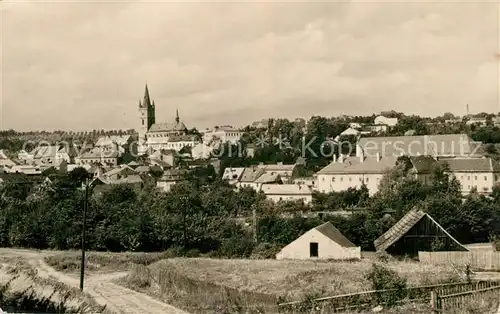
(478, 259)
(450, 303)
(365, 299)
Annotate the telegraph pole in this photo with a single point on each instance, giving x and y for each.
(85, 207)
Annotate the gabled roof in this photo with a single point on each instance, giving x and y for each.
(286, 189)
(400, 228)
(268, 178)
(251, 174)
(334, 234)
(166, 127)
(278, 167)
(423, 164)
(469, 164)
(354, 165)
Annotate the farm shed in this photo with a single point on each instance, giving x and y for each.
(416, 231)
(321, 242)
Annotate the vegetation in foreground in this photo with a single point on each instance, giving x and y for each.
(22, 289)
(202, 285)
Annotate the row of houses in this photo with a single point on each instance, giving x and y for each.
(373, 158)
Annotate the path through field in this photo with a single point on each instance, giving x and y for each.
(116, 298)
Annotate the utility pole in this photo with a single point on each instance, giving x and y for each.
(254, 214)
(85, 205)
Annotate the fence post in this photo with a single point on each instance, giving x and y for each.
(434, 302)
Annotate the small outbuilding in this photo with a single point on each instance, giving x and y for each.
(416, 231)
(323, 242)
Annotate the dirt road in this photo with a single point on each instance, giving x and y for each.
(116, 298)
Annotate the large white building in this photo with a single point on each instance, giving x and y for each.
(225, 133)
(156, 136)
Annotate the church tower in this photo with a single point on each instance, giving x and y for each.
(146, 115)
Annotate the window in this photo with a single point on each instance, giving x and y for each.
(475, 177)
(341, 178)
(367, 179)
(485, 178)
(333, 179)
(313, 249)
(350, 179)
(142, 121)
(468, 177)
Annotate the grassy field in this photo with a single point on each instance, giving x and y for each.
(296, 278)
(103, 261)
(202, 285)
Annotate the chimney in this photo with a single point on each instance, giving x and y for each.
(378, 157)
(361, 158)
(341, 158)
(334, 158)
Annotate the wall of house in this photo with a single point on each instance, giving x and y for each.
(327, 183)
(165, 185)
(327, 249)
(282, 197)
(483, 181)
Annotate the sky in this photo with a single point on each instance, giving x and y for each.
(82, 65)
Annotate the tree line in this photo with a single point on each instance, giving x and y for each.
(210, 216)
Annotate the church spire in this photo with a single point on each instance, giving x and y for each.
(146, 102)
(177, 116)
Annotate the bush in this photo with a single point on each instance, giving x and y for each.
(383, 278)
(265, 251)
(236, 247)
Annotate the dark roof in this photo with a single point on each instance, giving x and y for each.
(423, 164)
(328, 230)
(400, 228)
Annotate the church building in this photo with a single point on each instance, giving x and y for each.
(157, 136)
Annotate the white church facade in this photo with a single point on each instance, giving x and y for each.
(157, 136)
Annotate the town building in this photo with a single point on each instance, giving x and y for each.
(170, 178)
(116, 143)
(481, 174)
(224, 133)
(5, 161)
(98, 155)
(322, 242)
(52, 154)
(448, 145)
(156, 136)
(352, 172)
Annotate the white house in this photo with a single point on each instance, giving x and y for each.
(323, 242)
(382, 120)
